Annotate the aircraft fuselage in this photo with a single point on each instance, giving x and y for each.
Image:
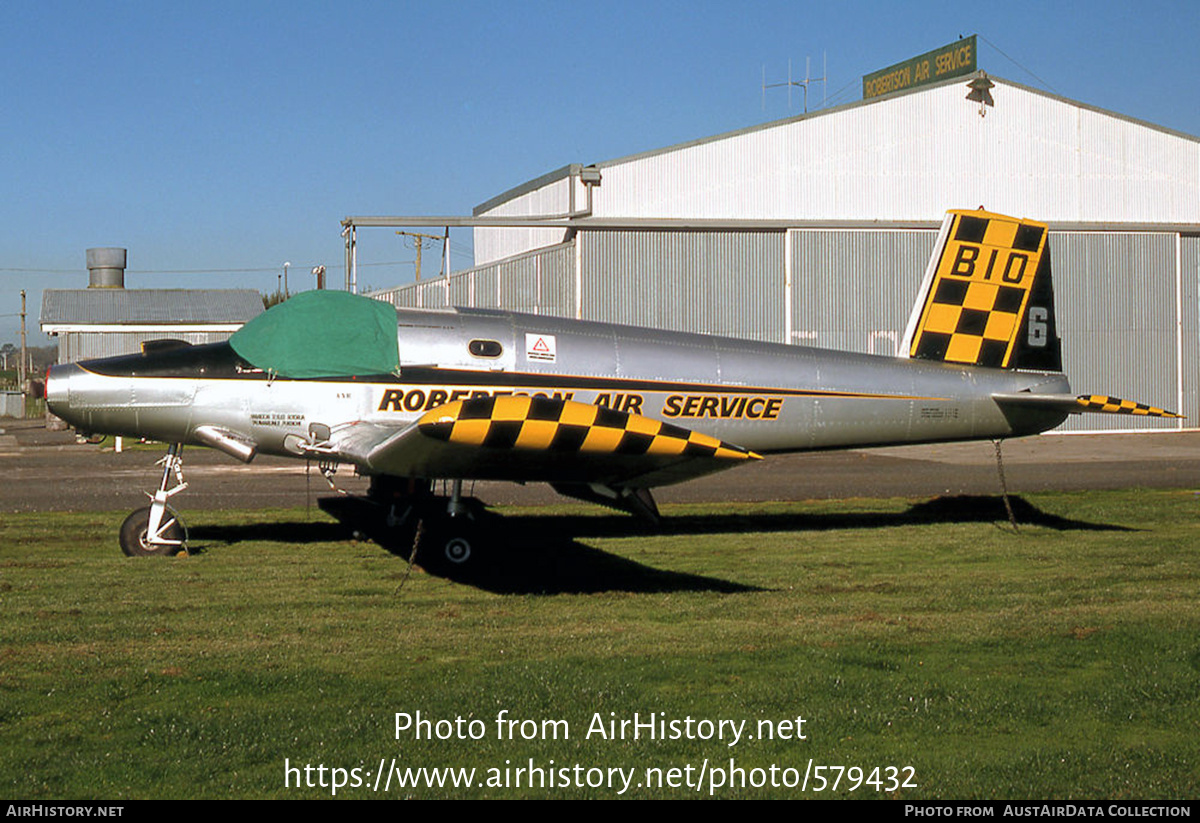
(762, 396)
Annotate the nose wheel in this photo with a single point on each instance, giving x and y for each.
(138, 540)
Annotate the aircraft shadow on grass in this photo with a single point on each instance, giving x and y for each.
(948, 509)
(537, 554)
(523, 558)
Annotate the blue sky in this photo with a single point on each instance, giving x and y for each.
(235, 136)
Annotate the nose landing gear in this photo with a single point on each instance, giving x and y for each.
(156, 530)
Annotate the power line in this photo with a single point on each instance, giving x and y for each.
(256, 270)
(202, 271)
(835, 98)
(25, 270)
(1018, 65)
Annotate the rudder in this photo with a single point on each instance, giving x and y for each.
(987, 298)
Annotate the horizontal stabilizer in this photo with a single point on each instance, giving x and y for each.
(1083, 403)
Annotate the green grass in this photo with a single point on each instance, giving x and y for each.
(1060, 662)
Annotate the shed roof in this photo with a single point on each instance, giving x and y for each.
(146, 307)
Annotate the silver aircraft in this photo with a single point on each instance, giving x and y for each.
(602, 412)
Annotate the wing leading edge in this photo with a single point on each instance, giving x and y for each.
(537, 439)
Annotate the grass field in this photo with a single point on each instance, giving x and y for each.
(1060, 662)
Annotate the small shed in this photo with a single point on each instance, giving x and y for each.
(103, 322)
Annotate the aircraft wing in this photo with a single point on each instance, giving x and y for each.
(1077, 404)
(536, 439)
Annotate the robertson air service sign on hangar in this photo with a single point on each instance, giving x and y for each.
(939, 64)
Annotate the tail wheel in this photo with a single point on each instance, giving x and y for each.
(134, 534)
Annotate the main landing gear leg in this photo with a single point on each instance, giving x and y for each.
(441, 528)
(156, 530)
(403, 514)
(389, 513)
(452, 533)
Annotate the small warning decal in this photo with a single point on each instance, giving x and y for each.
(540, 347)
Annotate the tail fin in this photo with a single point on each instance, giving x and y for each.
(987, 299)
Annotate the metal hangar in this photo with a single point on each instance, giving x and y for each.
(816, 230)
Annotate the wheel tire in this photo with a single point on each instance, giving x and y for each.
(457, 549)
(444, 543)
(134, 530)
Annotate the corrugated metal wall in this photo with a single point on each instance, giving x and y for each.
(853, 290)
(12, 404)
(714, 282)
(1115, 296)
(1127, 315)
(540, 282)
(1128, 303)
(1189, 328)
(728, 283)
(552, 198)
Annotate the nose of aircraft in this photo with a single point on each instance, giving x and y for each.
(58, 392)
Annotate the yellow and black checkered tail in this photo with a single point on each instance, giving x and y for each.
(543, 424)
(987, 299)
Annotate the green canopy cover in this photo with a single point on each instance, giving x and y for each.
(322, 334)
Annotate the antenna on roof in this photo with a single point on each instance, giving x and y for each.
(802, 84)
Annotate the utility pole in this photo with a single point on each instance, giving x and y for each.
(24, 355)
(419, 242)
(446, 254)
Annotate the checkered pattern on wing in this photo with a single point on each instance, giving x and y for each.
(548, 424)
(1115, 405)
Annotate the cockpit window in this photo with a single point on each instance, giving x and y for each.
(208, 360)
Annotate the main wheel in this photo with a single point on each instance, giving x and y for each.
(442, 539)
(134, 533)
(457, 549)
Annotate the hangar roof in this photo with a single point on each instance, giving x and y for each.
(566, 171)
(70, 309)
(901, 157)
